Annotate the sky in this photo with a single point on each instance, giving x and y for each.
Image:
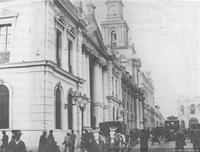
(166, 37)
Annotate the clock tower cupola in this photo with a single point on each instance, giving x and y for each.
(115, 28)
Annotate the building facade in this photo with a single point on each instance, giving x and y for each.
(152, 115)
(48, 51)
(188, 111)
(115, 35)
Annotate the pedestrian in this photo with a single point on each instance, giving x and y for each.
(42, 142)
(4, 145)
(196, 140)
(13, 135)
(51, 145)
(17, 145)
(179, 141)
(155, 138)
(143, 141)
(148, 132)
(68, 142)
(73, 138)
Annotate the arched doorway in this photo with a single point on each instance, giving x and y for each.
(4, 107)
(193, 121)
(182, 124)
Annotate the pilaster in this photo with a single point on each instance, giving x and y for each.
(138, 113)
(88, 90)
(105, 102)
(96, 100)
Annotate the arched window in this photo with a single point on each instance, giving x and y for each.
(113, 38)
(192, 109)
(182, 109)
(58, 108)
(4, 107)
(70, 111)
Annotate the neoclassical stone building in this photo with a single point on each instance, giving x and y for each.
(47, 51)
(115, 36)
(188, 111)
(152, 115)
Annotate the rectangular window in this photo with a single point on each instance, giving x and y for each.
(70, 48)
(58, 47)
(5, 37)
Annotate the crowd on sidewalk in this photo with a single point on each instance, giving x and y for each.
(46, 143)
(133, 139)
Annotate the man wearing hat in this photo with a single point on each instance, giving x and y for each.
(17, 145)
(73, 137)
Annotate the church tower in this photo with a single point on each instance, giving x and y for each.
(115, 28)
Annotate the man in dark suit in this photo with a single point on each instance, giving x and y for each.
(4, 145)
(17, 145)
(73, 137)
(144, 141)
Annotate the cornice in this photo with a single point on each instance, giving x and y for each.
(42, 63)
(111, 98)
(71, 9)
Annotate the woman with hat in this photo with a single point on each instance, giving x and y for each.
(17, 145)
(43, 141)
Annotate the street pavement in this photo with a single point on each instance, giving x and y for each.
(164, 147)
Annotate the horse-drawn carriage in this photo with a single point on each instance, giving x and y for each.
(110, 137)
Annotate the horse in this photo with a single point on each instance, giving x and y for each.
(115, 142)
(89, 143)
(100, 140)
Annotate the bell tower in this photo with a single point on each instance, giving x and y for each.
(115, 28)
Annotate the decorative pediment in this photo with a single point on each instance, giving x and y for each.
(95, 35)
(6, 14)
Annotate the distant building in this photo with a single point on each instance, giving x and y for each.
(152, 113)
(188, 111)
(115, 36)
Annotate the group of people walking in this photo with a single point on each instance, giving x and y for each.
(145, 134)
(48, 144)
(15, 145)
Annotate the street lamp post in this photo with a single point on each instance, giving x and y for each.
(82, 102)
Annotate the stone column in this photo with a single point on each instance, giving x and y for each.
(84, 72)
(101, 84)
(138, 113)
(120, 88)
(97, 105)
(84, 76)
(105, 102)
(141, 115)
(122, 33)
(88, 90)
(78, 64)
